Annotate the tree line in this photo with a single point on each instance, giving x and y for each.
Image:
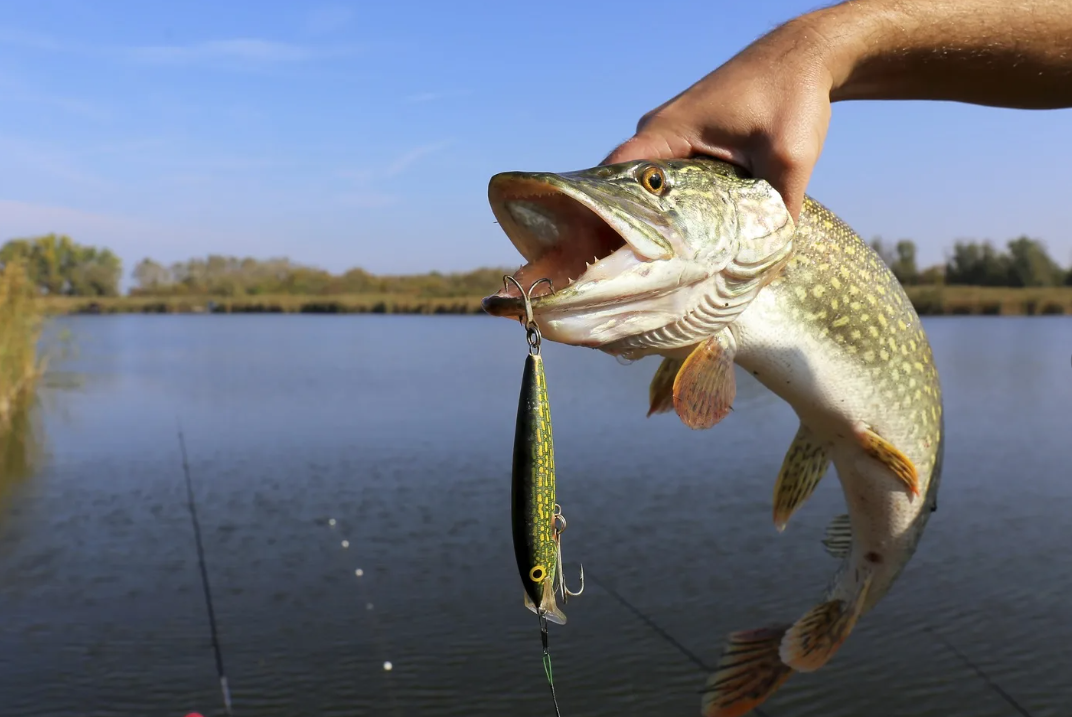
(59, 266)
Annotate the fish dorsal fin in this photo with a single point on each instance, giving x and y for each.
(706, 384)
(886, 453)
(661, 391)
(815, 638)
(804, 465)
(838, 538)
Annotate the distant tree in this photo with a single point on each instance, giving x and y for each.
(977, 264)
(1030, 264)
(904, 268)
(932, 275)
(59, 266)
(151, 276)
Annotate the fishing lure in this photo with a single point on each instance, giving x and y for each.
(536, 517)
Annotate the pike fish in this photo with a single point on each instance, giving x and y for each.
(696, 262)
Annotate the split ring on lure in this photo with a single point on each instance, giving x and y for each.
(535, 516)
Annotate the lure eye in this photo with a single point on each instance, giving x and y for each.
(653, 180)
(537, 573)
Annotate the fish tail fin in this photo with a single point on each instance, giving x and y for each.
(548, 604)
(748, 673)
(814, 638)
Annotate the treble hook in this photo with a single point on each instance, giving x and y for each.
(531, 329)
(563, 590)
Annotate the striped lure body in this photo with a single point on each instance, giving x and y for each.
(534, 515)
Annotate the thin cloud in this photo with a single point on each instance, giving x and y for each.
(328, 19)
(369, 200)
(406, 160)
(240, 49)
(436, 96)
(31, 40)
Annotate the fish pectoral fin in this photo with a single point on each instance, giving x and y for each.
(661, 391)
(705, 386)
(813, 639)
(748, 673)
(886, 453)
(838, 538)
(804, 465)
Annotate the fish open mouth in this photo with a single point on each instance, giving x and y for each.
(561, 231)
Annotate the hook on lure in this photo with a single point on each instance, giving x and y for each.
(531, 329)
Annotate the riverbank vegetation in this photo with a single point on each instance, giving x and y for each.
(976, 278)
(21, 323)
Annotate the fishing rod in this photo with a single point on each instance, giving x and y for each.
(191, 503)
(703, 666)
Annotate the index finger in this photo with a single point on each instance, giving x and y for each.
(649, 146)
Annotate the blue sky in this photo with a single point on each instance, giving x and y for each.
(364, 133)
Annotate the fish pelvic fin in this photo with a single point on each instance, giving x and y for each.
(748, 673)
(886, 453)
(548, 604)
(804, 465)
(661, 391)
(816, 637)
(706, 384)
(838, 538)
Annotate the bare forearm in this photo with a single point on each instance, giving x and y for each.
(1005, 53)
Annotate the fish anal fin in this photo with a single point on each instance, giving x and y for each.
(748, 673)
(661, 391)
(886, 453)
(705, 386)
(804, 465)
(838, 538)
(816, 637)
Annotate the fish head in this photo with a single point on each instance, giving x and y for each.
(634, 249)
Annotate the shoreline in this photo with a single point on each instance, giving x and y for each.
(928, 300)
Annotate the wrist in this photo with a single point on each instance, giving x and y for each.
(845, 42)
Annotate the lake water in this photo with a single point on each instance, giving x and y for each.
(400, 428)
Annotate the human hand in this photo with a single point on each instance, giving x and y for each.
(766, 110)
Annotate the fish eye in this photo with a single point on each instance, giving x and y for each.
(653, 180)
(537, 573)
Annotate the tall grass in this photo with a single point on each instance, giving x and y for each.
(21, 322)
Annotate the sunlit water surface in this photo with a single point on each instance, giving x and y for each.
(400, 428)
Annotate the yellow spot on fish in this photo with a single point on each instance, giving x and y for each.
(873, 331)
(818, 290)
(882, 320)
(885, 355)
(841, 320)
(801, 293)
(835, 282)
(869, 356)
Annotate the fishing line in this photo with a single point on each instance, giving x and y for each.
(365, 594)
(192, 505)
(993, 685)
(661, 632)
(703, 666)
